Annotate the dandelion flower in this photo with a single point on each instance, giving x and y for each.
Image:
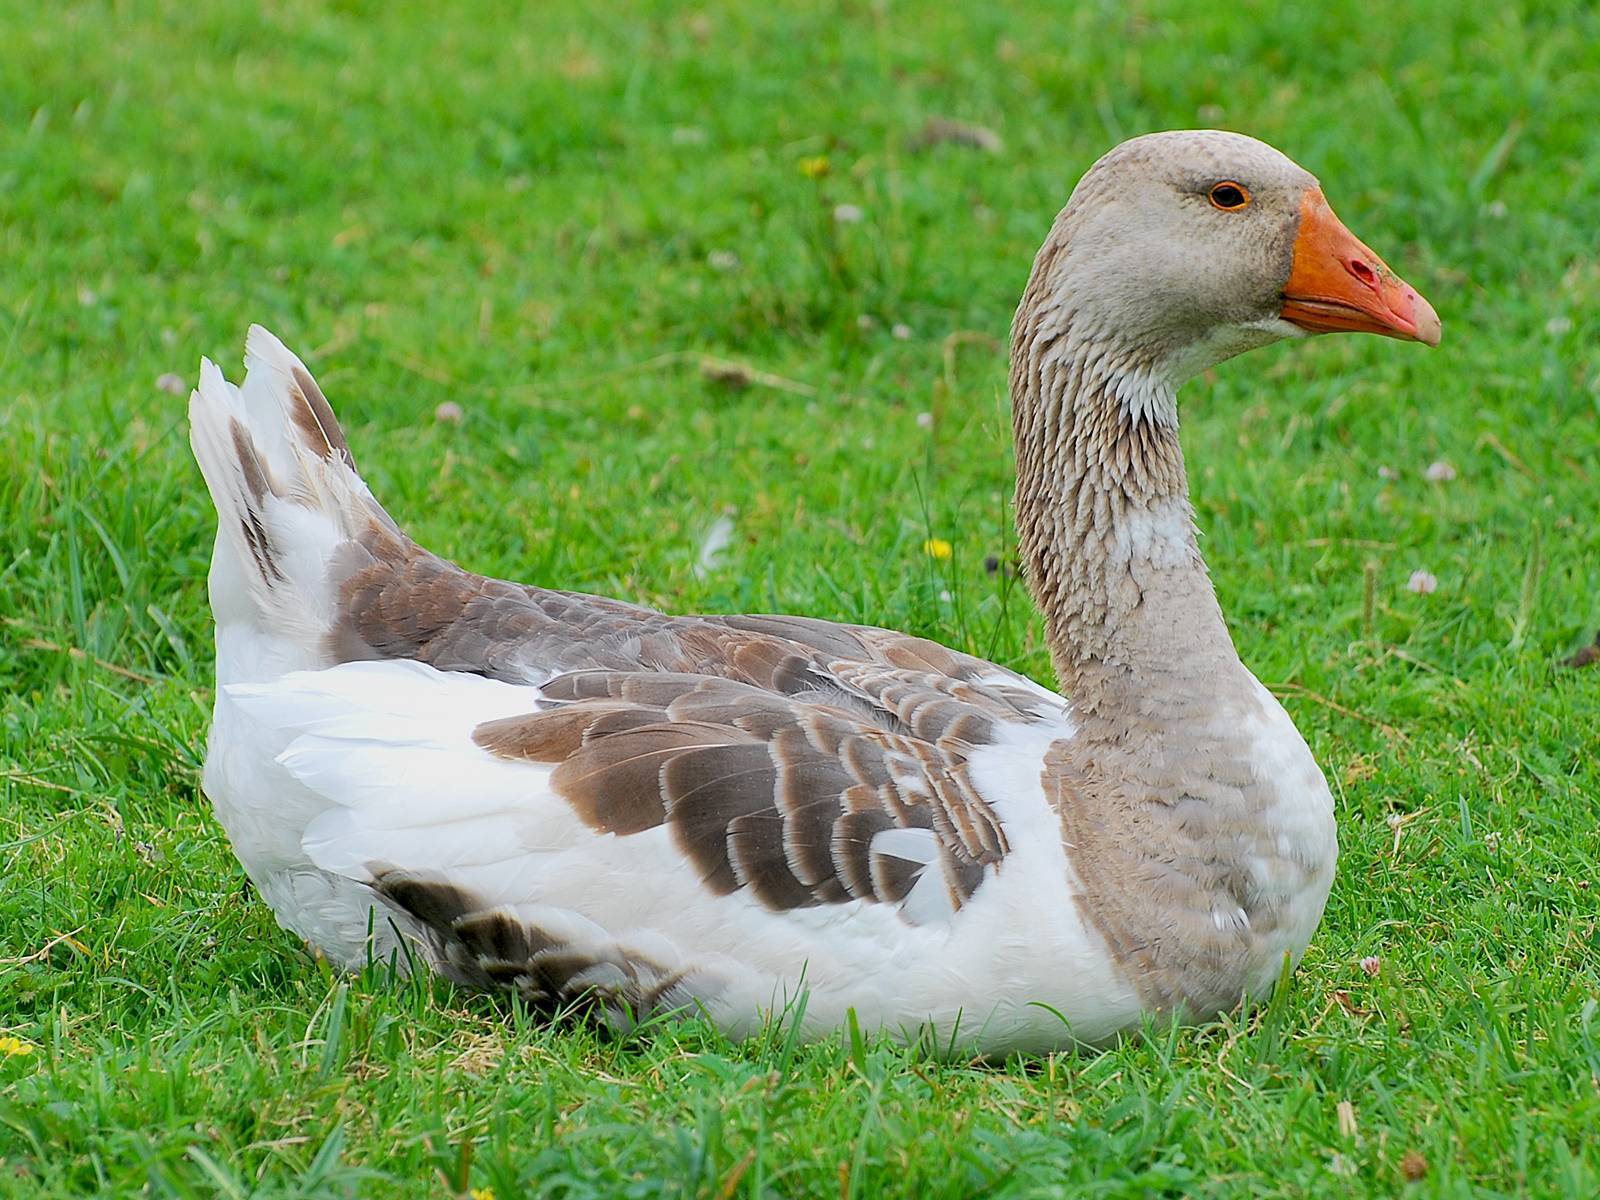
(937, 548)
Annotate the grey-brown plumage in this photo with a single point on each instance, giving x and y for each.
(396, 600)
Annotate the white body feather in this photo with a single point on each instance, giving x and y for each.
(375, 760)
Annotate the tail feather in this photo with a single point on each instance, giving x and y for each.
(288, 498)
(289, 390)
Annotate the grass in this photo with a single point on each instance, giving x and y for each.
(544, 219)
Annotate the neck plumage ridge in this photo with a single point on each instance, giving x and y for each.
(1105, 527)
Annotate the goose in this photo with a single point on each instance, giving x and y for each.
(758, 818)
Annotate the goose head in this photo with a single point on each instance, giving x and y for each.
(1180, 249)
(1176, 250)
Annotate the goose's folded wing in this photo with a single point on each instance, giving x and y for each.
(395, 600)
(801, 803)
(601, 796)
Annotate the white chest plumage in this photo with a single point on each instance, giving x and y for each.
(1296, 878)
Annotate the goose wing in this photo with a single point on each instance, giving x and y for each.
(660, 836)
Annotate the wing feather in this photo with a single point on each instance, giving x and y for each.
(800, 803)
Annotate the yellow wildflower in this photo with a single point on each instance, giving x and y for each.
(13, 1047)
(814, 168)
(936, 548)
(483, 1193)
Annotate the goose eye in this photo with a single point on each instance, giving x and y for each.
(1229, 196)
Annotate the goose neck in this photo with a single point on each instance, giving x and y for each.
(1104, 521)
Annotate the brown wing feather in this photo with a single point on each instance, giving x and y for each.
(396, 600)
(760, 791)
(492, 947)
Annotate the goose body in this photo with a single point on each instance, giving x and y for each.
(774, 816)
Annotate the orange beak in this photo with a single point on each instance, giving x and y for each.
(1336, 283)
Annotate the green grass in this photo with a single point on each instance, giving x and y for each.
(527, 215)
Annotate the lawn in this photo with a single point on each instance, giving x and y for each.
(583, 285)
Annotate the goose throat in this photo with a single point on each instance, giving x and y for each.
(1103, 517)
